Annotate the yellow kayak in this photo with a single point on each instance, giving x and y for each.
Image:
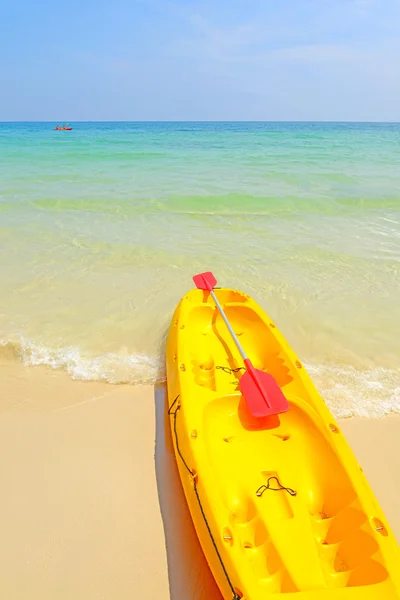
(280, 504)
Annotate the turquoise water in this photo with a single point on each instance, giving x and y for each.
(102, 227)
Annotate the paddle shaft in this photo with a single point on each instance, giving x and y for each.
(242, 353)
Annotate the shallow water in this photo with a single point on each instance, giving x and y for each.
(101, 229)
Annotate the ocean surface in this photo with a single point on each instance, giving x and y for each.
(102, 228)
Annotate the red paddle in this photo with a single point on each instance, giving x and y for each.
(263, 395)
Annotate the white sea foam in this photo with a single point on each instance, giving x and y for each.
(348, 391)
(137, 369)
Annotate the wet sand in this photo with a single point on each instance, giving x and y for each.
(91, 506)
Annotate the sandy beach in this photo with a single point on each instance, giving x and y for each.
(79, 509)
(91, 505)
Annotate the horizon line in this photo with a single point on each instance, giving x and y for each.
(201, 121)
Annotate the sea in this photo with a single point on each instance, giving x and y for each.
(102, 228)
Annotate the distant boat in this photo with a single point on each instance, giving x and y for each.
(65, 128)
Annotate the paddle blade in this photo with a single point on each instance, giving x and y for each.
(263, 395)
(205, 281)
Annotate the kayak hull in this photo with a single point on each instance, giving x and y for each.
(280, 504)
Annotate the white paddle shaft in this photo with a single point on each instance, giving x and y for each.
(243, 355)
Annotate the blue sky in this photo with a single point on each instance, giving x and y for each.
(200, 60)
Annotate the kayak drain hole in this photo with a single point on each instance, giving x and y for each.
(283, 438)
(323, 516)
(247, 545)
(379, 527)
(333, 428)
(227, 536)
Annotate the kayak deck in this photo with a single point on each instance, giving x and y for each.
(288, 506)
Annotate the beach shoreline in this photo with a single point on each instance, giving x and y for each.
(91, 505)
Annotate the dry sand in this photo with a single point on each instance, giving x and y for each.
(91, 506)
